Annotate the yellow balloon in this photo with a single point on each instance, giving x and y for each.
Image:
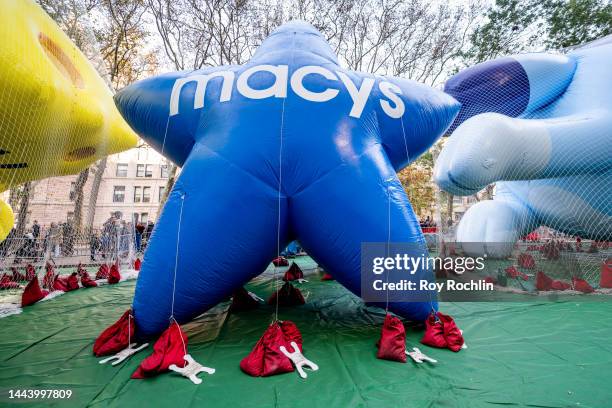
(57, 115)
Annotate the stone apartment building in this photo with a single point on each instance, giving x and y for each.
(133, 184)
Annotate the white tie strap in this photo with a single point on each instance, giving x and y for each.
(192, 369)
(298, 359)
(257, 298)
(123, 354)
(418, 356)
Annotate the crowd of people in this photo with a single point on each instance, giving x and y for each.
(114, 238)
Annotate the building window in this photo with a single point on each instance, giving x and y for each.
(164, 171)
(119, 194)
(144, 170)
(161, 194)
(146, 194)
(72, 194)
(137, 194)
(144, 218)
(70, 217)
(122, 170)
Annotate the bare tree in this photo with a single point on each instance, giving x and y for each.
(121, 37)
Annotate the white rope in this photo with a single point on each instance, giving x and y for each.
(404, 134)
(176, 258)
(280, 183)
(165, 134)
(388, 242)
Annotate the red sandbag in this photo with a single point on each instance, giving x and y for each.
(73, 281)
(242, 301)
(442, 333)
(137, 264)
(605, 278)
(327, 277)
(543, 281)
(114, 276)
(512, 272)
(266, 359)
(103, 272)
(61, 283)
(526, 261)
(30, 272)
(582, 286)
(392, 343)
(86, 280)
(17, 277)
(288, 295)
(7, 283)
(169, 349)
(293, 273)
(32, 293)
(280, 261)
(49, 277)
(115, 337)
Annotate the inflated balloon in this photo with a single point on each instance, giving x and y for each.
(288, 146)
(56, 113)
(546, 140)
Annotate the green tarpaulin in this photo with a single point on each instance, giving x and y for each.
(520, 354)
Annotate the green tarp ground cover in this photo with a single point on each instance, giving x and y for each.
(520, 354)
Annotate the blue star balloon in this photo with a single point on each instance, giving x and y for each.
(540, 125)
(288, 146)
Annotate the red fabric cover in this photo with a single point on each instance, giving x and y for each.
(114, 276)
(280, 261)
(86, 280)
(582, 286)
(30, 272)
(7, 283)
(49, 277)
(392, 343)
(17, 277)
(115, 337)
(526, 261)
(103, 272)
(605, 278)
(442, 333)
(241, 301)
(137, 264)
(266, 359)
(293, 273)
(288, 295)
(169, 349)
(32, 293)
(327, 277)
